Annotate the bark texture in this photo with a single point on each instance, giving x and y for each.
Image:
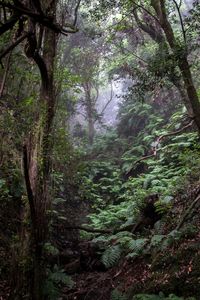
(37, 150)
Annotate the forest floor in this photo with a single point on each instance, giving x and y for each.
(174, 270)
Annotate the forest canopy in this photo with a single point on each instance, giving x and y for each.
(99, 149)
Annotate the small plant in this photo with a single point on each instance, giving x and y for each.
(111, 256)
(56, 279)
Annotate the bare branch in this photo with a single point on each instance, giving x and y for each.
(12, 46)
(158, 140)
(76, 13)
(181, 20)
(109, 101)
(175, 132)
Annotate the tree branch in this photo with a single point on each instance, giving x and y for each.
(37, 5)
(109, 101)
(9, 24)
(181, 20)
(41, 19)
(147, 11)
(156, 149)
(175, 132)
(150, 30)
(76, 13)
(12, 46)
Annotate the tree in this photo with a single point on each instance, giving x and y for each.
(83, 55)
(181, 55)
(153, 18)
(36, 23)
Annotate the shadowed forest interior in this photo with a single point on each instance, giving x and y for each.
(99, 149)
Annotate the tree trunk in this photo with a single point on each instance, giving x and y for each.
(157, 35)
(37, 160)
(90, 113)
(181, 55)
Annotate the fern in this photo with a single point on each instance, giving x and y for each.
(156, 239)
(137, 245)
(117, 295)
(111, 256)
(58, 276)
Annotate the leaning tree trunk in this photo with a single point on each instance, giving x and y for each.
(182, 59)
(37, 158)
(157, 35)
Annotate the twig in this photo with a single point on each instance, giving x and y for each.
(181, 20)
(109, 101)
(156, 149)
(175, 132)
(76, 13)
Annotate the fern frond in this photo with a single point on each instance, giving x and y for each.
(111, 256)
(137, 245)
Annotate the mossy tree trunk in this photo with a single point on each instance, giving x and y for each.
(37, 154)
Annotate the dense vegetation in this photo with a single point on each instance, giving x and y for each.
(99, 149)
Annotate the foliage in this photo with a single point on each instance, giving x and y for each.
(56, 279)
(111, 256)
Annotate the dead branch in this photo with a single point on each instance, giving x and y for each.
(156, 149)
(106, 105)
(175, 132)
(12, 46)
